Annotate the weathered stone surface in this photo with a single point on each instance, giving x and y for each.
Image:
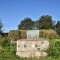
(32, 34)
(31, 54)
(32, 47)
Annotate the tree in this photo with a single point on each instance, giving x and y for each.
(58, 24)
(35, 26)
(58, 27)
(26, 24)
(46, 22)
(1, 25)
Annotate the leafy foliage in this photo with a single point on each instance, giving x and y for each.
(54, 49)
(0, 37)
(14, 34)
(1, 25)
(48, 33)
(58, 24)
(54, 52)
(5, 42)
(58, 27)
(35, 25)
(26, 24)
(45, 22)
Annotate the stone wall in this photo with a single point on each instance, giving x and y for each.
(32, 47)
(31, 54)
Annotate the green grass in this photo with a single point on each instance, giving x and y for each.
(9, 53)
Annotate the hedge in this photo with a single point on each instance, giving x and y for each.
(48, 33)
(21, 34)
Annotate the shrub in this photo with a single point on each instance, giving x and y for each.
(14, 35)
(48, 33)
(17, 34)
(23, 34)
(54, 49)
(22, 31)
(5, 42)
(0, 38)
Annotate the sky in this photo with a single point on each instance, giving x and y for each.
(13, 12)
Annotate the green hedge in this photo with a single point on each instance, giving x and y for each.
(48, 33)
(54, 49)
(21, 34)
(14, 34)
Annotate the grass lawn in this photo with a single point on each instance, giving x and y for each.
(9, 53)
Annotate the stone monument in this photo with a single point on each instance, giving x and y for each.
(33, 46)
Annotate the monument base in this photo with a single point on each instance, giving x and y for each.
(29, 54)
(32, 47)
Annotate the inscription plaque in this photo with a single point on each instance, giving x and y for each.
(32, 34)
